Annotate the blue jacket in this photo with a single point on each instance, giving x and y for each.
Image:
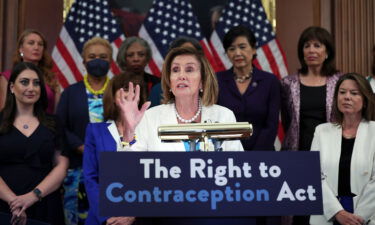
(98, 139)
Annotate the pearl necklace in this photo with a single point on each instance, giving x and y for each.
(242, 79)
(193, 118)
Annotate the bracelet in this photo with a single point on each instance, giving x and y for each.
(126, 144)
(38, 193)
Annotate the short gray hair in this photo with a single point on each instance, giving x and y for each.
(121, 55)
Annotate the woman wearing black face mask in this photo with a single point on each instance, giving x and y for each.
(80, 104)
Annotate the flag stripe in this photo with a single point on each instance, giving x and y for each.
(61, 67)
(68, 59)
(166, 21)
(219, 63)
(271, 60)
(218, 51)
(262, 60)
(114, 68)
(86, 19)
(256, 63)
(154, 68)
(62, 79)
(280, 58)
(207, 52)
(156, 62)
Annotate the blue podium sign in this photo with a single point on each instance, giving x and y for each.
(201, 184)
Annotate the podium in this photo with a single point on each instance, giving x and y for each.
(209, 184)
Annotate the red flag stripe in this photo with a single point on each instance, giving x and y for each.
(115, 69)
(68, 58)
(118, 42)
(63, 81)
(220, 66)
(154, 68)
(282, 54)
(271, 60)
(256, 63)
(210, 56)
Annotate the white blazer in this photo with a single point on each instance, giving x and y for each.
(327, 140)
(147, 129)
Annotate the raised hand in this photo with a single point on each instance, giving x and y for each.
(131, 115)
(120, 220)
(347, 218)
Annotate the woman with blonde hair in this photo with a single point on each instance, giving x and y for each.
(32, 47)
(190, 91)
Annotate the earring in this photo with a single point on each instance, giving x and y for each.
(201, 90)
(21, 54)
(326, 56)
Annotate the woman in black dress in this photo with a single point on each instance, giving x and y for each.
(31, 165)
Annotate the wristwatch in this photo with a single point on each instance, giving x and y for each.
(38, 193)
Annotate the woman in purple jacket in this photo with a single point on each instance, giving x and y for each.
(253, 95)
(307, 96)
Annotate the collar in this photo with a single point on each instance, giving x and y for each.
(115, 134)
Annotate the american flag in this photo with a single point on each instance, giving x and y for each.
(167, 20)
(270, 56)
(86, 19)
(250, 13)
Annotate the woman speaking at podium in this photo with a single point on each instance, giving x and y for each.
(189, 90)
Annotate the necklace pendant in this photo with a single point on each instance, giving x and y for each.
(25, 126)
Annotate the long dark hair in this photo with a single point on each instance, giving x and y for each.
(10, 109)
(323, 36)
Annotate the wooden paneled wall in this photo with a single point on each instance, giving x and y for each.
(9, 20)
(18, 15)
(354, 30)
(292, 17)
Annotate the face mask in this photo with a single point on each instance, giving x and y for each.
(97, 67)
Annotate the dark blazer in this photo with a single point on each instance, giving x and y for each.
(259, 105)
(74, 114)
